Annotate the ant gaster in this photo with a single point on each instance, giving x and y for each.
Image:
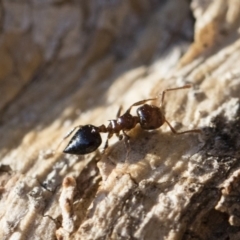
(87, 139)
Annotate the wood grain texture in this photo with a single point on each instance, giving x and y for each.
(69, 63)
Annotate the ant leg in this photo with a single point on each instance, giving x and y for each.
(66, 136)
(110, 134)
(140, 103)
(173, 89)
(189, 131)
(126, 141)
(106, 143)
(151, 99)
(126, 138)
(119, 112)
(120, 136)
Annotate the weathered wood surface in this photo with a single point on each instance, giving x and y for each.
(65, 63)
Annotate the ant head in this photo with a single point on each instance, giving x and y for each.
(150, 117)
(86, 140)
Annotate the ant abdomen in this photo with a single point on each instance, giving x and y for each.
(150, 117)
(86, 140)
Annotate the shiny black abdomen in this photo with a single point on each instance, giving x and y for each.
(86, 140)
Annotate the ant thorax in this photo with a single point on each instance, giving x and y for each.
(114, 126)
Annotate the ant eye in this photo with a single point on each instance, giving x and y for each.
(86, 140)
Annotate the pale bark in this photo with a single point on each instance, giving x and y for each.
(69, 63)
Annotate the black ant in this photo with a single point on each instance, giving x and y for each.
(87, 139)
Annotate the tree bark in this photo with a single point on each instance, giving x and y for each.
(70, 63)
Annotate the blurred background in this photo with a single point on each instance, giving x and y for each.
(61, 59)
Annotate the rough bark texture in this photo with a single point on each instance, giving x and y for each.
(68, 63)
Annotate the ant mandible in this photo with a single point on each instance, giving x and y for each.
(87, 139)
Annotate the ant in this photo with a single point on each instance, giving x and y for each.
(87, 139)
